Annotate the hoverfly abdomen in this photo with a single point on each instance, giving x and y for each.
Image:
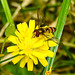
(50, 29)
(53, 29)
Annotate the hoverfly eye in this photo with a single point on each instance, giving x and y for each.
(36, 32)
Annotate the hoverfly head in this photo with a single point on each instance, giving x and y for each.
(36, 33)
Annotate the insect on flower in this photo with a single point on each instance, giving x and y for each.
(46, 31)
(43, 30)
(30, 50)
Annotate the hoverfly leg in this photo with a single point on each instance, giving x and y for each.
(48, 44)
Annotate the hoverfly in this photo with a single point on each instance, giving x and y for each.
(46, 31)
(43, 30)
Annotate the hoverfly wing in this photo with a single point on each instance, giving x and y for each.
(41, 18)
(54, 39)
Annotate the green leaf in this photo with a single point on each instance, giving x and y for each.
(17, 70)
(58, 33)
(10, 30)
(7, 11)
(3, 45)
(3, 17)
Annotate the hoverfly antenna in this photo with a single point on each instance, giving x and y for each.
(38, 16)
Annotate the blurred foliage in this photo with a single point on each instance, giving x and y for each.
(65, 59)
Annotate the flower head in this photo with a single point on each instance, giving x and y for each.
(29, 50)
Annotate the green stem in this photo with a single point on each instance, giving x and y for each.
(7, 11)
(3, 45)
(2, 40)
(8, 16)
(59, 27)
(58, 33)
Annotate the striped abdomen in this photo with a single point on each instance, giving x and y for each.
(50, 29)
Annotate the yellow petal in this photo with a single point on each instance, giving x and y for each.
(43, 61)
(31, 25)
(18, 34)
(22, 28)
(45, 46)
(38, 54)
(38, 43)
(33, 40)
(34, 59)
(15, 53)
(30, 65)
(47, 52)
(19, 27)
(13, 39)
(30, 29)
(21, 52)
(37, 27)
(24, 52)
(28, 34)
(12, 48)
(52, 43)
(24, 61)
(17, 59)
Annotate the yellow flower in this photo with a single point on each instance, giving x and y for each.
(29, 50)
